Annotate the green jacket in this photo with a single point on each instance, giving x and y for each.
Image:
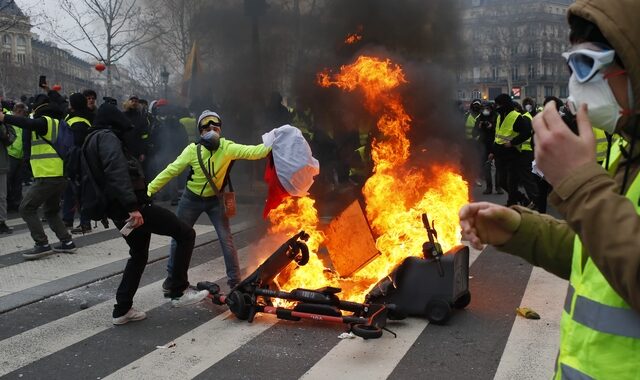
(216, 163)
(606, 222)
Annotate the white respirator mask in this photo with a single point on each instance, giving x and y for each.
(604, 110)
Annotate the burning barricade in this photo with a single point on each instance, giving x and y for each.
(375, 252)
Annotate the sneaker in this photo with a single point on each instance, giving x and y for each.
(189, 297)
(132, 315)
(81, 229)
(37, 252)
(65, 247)
(4, 229)
(165, 287)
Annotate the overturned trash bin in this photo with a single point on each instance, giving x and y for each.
(430, 286)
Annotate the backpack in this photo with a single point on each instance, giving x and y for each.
(64, 147)
(92, 198)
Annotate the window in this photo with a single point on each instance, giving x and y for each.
(6, 40)
(548, 91)
(22, 58)
(532, 91)
(21, 41)
(494, 73)
(564, 91)
(6, 56)
(532, 71)
(514, 73)
(476, 94)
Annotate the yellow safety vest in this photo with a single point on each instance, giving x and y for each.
(16, 150)
(599, 332)
(526, 146)
(77, 119)
(45, 162)
(601, 144)
(468, 126)
(504, 131)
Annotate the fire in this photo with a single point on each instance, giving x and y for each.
(396, 194)
(352, 39)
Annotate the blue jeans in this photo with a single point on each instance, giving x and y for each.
(190, 207)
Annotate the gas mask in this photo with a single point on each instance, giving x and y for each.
(486, 112)
(210, 140)
(528, 107)
(604, 110)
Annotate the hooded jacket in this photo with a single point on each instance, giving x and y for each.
(120, 175)
(589, 200)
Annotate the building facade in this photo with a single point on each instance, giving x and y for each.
(514, 47)
(24, 58)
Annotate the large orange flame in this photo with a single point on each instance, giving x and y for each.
(396, 194)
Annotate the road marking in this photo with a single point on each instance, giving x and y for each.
(29, 346)
(533, 344)
(196, 350)
(372, 359)
(28, 274)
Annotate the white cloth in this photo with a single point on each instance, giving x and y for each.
(292, 158)
(536, 170)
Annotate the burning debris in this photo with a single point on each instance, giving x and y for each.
(395, 195)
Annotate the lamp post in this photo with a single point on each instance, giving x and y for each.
(165, 79)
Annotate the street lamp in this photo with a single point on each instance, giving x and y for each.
(165, 79)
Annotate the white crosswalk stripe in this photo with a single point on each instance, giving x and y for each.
(535, 338)
(214, 340)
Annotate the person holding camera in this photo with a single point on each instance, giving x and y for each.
(596, 246)
(210, 160)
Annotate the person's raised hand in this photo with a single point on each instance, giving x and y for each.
(558, 151)
(488, 223)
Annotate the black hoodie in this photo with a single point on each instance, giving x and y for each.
(117, 172)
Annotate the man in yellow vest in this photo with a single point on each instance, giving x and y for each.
(596, 247)
(16, 161)
(79, 120)
(7, 137)
(47, 167)
(513, 130)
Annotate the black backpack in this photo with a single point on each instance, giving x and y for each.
(93, 200)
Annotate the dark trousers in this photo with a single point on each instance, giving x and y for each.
(544, 188)
(45, 192)
(14, 183)
(71, 203)
(161, 222)
(525, 176)
(506, 163)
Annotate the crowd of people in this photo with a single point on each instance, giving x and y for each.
(104, 171)
(595, 245)
(502, 134)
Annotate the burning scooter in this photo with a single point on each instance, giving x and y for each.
(253, 295)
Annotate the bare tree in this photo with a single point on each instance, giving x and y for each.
(107, 30)
(146, 66)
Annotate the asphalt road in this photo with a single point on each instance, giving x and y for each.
(55, 321)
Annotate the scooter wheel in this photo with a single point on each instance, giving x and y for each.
(438, 311)
(238, 305)
(462, 301)
(366, 331)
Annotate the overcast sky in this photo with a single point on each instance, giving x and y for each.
(35, 8)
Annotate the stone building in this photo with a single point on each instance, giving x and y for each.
(514, 46)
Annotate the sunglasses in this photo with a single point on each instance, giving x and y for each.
(585, 60)
(210, 120)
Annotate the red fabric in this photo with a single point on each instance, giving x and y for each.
(276, 193)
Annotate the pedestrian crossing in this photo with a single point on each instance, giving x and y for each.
(209, 341)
